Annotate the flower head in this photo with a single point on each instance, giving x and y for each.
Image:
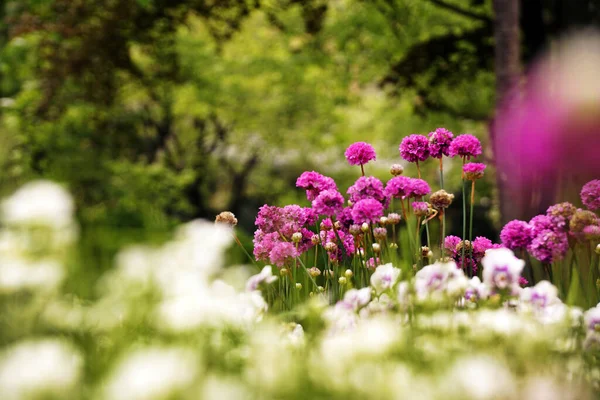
(473, 171)
(396, 169)
(450, 244)
(227, 218)
(414, 148)
(282, 252)
(465, 146)
(582, 219)
(384, 277)
(501, 270)
(368, 187)
(420, 208)
(264, 277)
(516, 234)
(541, 223)
(548, 246)
(441, 199)
(590, 194)
(367, 210)
(439, 142)
(561, 214)
(360, 153)
(314, 183)
(440, 280)
(404, 187)
(328, 202)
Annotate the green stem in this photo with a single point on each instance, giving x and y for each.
(464, 235)
(471, 218)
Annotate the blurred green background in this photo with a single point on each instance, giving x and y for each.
(154, 112)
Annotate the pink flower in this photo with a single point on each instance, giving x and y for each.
(541, 223)
(368, 187)
(360, 153)
(465, 146)
(420, 208)
(561, 215)
(367, 210)
(473, 171)
(516, 234)
(281, 253)
(404, 187)
(549, 246)
(414, 148)
(328, 202)
(590, 194)
(439, 142)
(314, 183)
(450, 243)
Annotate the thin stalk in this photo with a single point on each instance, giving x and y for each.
(464, 235)
(362, 169)
(245, 251)
(418, 169)
(471, 216)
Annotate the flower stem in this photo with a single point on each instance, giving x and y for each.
(418, 169)
(464, 235)
(362, 169)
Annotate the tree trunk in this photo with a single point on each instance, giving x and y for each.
(507, 65)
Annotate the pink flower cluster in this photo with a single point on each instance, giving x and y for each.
(441, 142)
(360, 153)
(403, 187)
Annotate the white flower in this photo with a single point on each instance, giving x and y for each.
(476, 290)
(265, 276)
(479, 378)
(39, 203)
(384, 277)
(17, 274)
(46, 367)
(592, 319)
(357, 298)
(438, 280)
(152, 373)
(540, 296)
(501, 270)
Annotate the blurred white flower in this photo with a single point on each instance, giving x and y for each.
(223, 388)
(439, 281)
(17, 274)
(476, 290)
(38, 368)
(502, 270)
(384, 277)
(152, 373)
(265, 276)
(39, 203)
(479, 378)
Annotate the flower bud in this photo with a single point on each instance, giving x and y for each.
(393, 218)
(598, 248)
(330, 273)
(348, 273)
(314, 272)
(296, 237)
(393, 246)
(396, 169)
(380, 233)
(425, 251)
(364, 227)
(320, 289)
(226, 218)
(315, 239)
(298, 286)
(342, 280)
(383, 220)
(283, 271)
(441, 199)
(338, 225)
(330, 246)
(354, 230)
(376, 247)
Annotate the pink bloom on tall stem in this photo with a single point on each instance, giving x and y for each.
(315, 183)
(439, 142)
(473, 171)
(368, 187)
(281, 253)
(360, 153)
(414, 148)
(367, 210)
(516, 234)
(465, 146)
(403, 187)
(328, 202)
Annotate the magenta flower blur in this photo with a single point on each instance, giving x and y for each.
(590, 194)
(439, 142)
(359, 153)
(368, 187)
(516, 234)
(367, 210)
(591, 232)
(480, 245)
(473, 171)
(281, 253)
(549, 246)
(465, 146)
(403, 187)
(314, 183)
(264, 243)
(328, 202)
(541, 223)
(414, 148)
(450, 243)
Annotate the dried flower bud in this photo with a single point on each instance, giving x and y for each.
(315, 239)
(314, 272)
(383, 220)
(296, 237)
(421, 208)
(396, 169)
(364, 227)
(325, 226)
(466, 244)
(330, 246)
(393, 218)
(580, 220)
(348, 273)
(342, 280)
(441, 199)
(376, 247)
(380, 233)
(227, 218)
(338, 225)
(425, 251)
